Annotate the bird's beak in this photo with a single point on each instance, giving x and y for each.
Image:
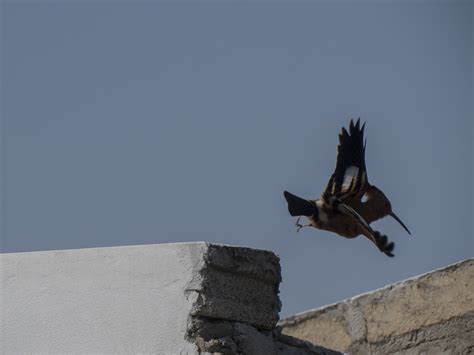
(399, 221)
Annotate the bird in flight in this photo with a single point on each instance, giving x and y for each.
(350, 203)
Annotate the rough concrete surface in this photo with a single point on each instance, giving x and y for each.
(237, 305)
(230, 337)
(431, 313)
(183, 298)
(238, 284)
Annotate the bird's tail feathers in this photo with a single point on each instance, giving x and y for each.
(298, 206)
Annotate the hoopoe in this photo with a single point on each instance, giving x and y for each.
(349, 203)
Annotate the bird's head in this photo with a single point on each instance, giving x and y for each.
(382, 204)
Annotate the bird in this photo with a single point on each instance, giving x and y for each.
(349, 203)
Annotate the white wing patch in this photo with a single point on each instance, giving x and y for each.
(350, 175)
(364, 198)
(322, 215)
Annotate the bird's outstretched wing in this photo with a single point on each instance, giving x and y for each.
(350, 176)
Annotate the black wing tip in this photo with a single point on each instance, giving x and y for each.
(356, 124)
(352, 143)
(357, 127)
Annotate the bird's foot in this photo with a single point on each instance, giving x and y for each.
(298, 225)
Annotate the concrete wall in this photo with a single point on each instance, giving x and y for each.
(168, 299)
(123, 299)
(429, 314)
(205, 298)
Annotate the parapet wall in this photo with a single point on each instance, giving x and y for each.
(429, 314)
(184, 298)
(190, 298)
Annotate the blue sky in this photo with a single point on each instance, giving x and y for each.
(154, 122)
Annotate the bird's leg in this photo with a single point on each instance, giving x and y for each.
(299, 225)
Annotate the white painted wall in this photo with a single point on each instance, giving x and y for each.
(122, 299)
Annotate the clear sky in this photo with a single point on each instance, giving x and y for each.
(155, 122)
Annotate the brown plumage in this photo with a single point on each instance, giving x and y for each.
(349, 203)
(375, 206)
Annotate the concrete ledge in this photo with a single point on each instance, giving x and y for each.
(432, 312)
(237, 306)
(170, 298)
(238, 284)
